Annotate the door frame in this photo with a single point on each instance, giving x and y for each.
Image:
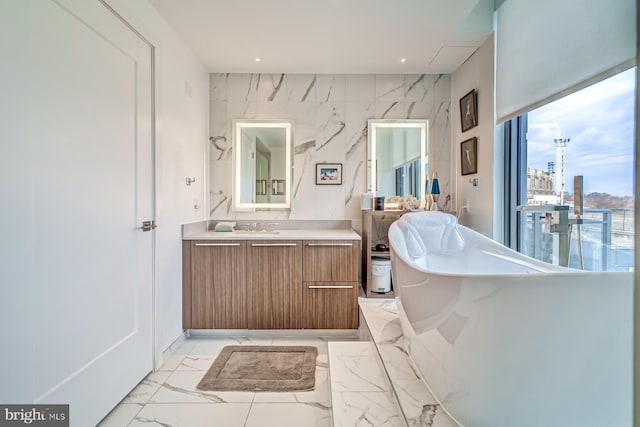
(156, 353)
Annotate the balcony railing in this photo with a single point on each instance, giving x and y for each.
(606, 236)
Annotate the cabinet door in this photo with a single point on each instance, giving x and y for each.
(274, 284)
(331, 260)
(330, 305)
(218, 289)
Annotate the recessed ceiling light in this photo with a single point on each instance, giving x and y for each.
(403, 60)
(257, 59)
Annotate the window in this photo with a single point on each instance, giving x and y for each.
(408, 179)
(589, 133)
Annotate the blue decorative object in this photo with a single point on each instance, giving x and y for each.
(435, 192)
(435, 188)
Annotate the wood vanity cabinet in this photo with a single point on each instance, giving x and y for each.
(330, 284)
(270, 284)
(274, 284)
(214, 291)
(331, 260)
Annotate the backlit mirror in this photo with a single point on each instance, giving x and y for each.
(262, 162)
(397, 158)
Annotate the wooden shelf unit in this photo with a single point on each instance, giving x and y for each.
(370, 237)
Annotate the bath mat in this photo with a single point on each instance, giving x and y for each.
(262, 368)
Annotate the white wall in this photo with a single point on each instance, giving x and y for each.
(330, 112)
(477, 73)
(182, 84)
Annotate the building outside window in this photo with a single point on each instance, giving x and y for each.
(590, 133)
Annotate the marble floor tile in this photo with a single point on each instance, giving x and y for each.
(319, 343)
(172, 362)
(418, 404)
(379, 314)
(213, 346)
(121, 415)
(288, 415)
(397, 363)
(320, 393)
(192, 415)
(237, 340)
(352, 348)
(185, 346)
(354, 367)
(196, 362)
(169, 397)
(147, 387)
(365, 409)
(181, 387)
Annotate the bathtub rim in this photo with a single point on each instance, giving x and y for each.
(550, 268)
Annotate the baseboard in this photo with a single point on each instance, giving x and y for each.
(177, 342)
(273, 333)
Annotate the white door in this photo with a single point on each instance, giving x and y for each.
(75, 185)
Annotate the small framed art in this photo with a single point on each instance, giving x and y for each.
(469, 111)
(328, 173)
(469, 156)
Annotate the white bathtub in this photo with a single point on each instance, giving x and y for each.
(503, 340)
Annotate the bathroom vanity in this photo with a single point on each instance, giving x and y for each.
(285, 279)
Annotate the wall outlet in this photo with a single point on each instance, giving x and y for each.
(465, 205)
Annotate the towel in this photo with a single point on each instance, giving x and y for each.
(225, 226)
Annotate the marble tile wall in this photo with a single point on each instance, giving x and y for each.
(330, 112)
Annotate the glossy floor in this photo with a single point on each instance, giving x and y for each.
(169, 397)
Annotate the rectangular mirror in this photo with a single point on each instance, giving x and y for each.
(262, 156)
(397, 158)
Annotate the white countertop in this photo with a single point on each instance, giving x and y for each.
(301, 234)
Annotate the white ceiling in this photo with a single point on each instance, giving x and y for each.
(330, 36)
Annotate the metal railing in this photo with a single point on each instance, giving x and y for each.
(607, 238)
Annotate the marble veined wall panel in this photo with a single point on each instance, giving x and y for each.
(330, 112)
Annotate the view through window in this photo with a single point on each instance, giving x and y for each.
(591, 134)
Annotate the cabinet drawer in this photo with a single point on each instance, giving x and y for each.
(331, 260)
(330, 305)
(274, 284)
(218, 293)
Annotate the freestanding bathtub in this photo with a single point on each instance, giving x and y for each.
(504, 340)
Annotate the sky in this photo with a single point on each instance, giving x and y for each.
(599, 120)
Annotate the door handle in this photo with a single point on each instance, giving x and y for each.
(273, 245)
(330, 244)
(329, 287)
(217, 244)
(148, 225)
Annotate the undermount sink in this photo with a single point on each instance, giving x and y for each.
(256, 232)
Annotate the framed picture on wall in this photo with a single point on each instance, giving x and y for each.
(469, 156)
(469, 111)
(328, 173)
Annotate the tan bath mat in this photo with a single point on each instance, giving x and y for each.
(262, 368)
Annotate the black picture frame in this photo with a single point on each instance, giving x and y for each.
(469, 111)
(469, 156)
(328, 173)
